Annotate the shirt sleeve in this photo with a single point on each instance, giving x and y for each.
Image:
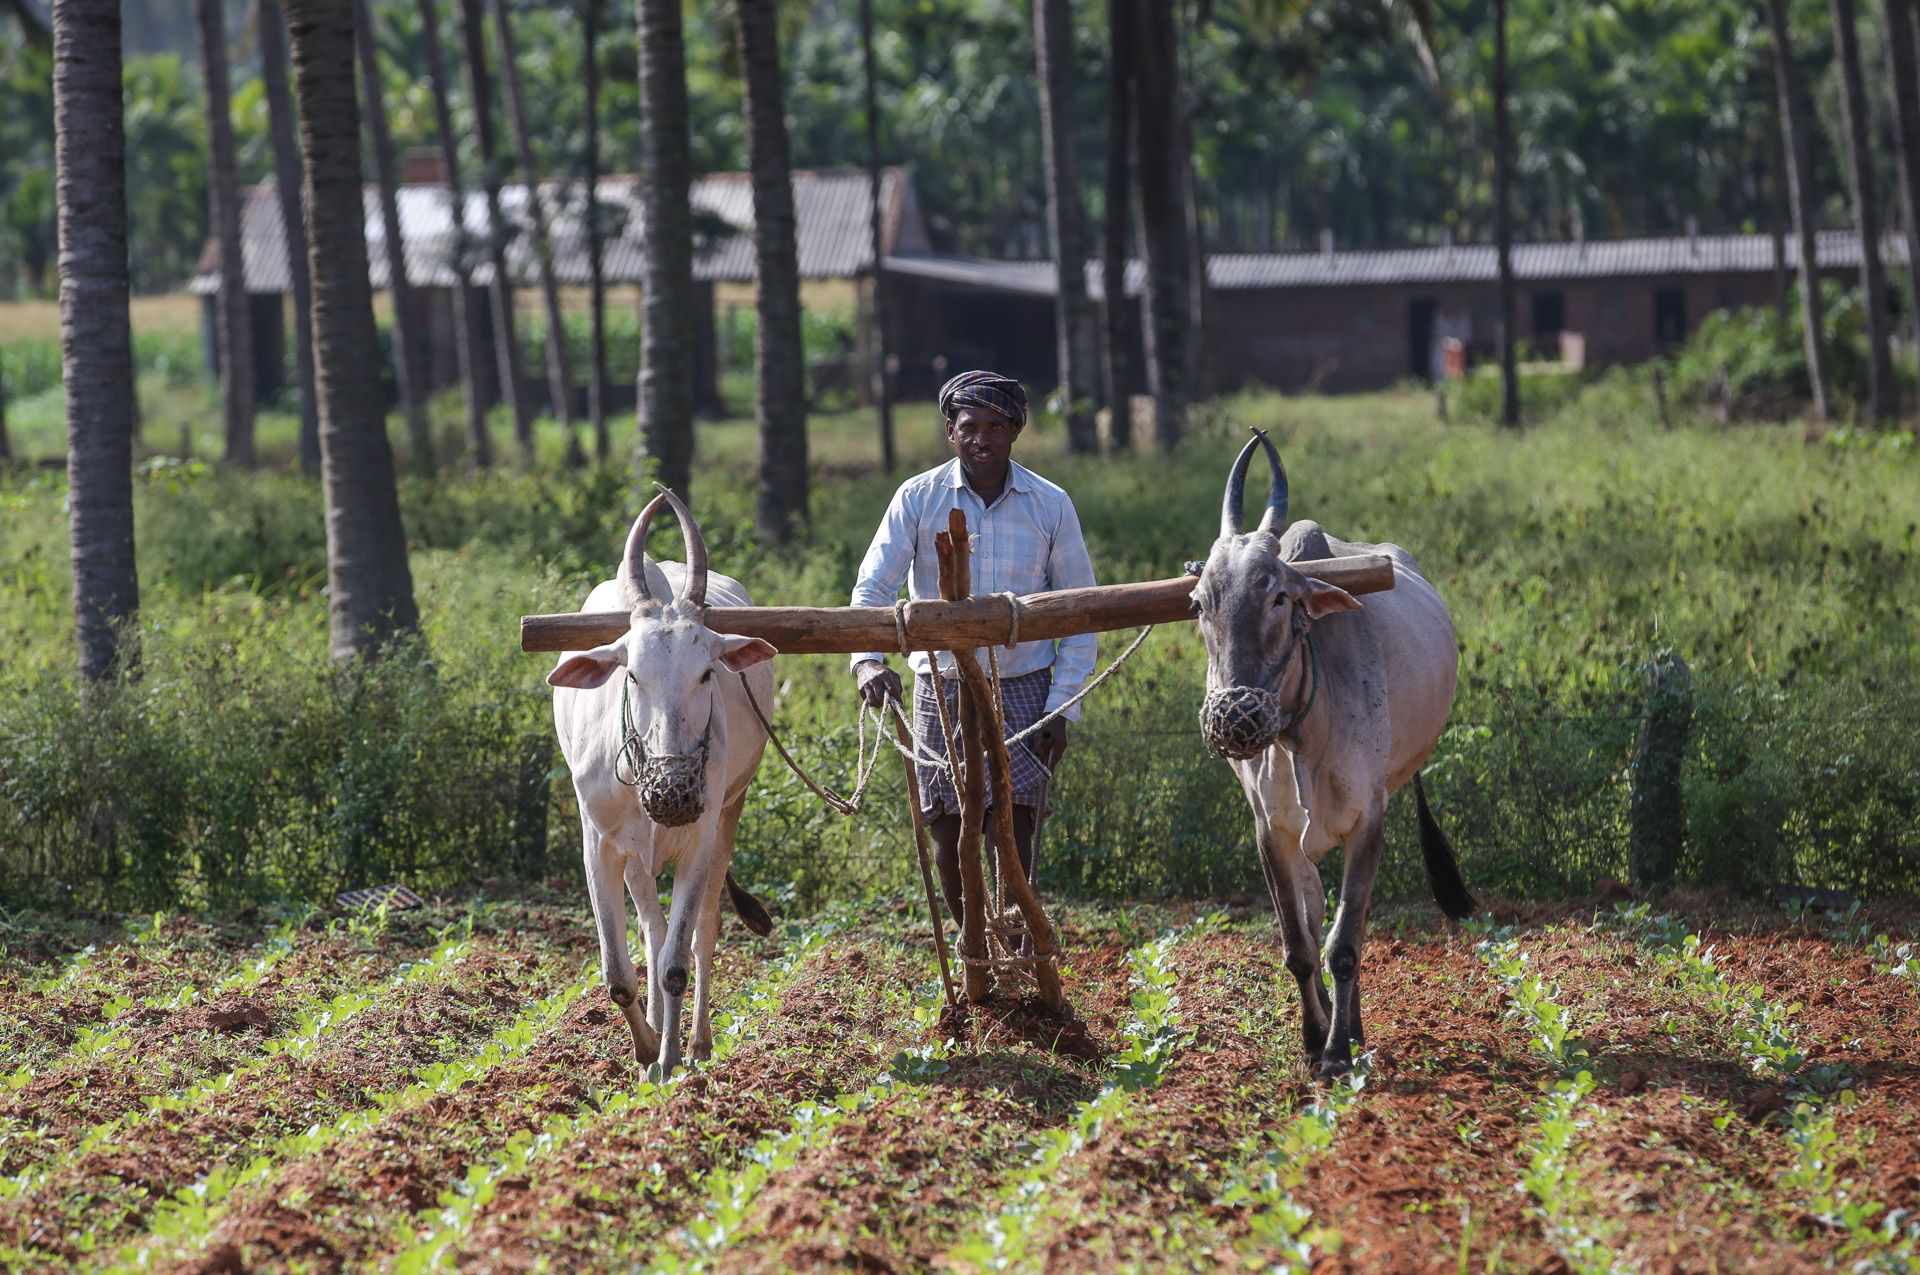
(888, 560)
(1070, 567)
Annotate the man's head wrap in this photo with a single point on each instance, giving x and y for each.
(988, 391)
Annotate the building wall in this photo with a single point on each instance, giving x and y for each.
(1362, 337)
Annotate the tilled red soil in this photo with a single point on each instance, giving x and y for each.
(1677, 1162)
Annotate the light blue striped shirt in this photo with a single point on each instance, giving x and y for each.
(1027, 541)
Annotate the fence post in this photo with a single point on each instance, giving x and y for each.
(1659, 804)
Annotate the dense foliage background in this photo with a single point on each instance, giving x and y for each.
(1629, 117)
(242, 763)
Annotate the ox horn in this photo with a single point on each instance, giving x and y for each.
(696, 593)
(633, 562)
(1236, 490)
(1275, 519)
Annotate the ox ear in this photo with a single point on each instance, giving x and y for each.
(742, 653)
(1324, 599)
(589, 669)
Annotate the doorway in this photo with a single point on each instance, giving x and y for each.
(1420, 314)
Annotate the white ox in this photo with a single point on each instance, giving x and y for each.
(669, 695)
(1325, 709)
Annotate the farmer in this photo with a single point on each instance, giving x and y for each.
(1026, 539)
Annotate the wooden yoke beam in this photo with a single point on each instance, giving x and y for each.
(946, 624)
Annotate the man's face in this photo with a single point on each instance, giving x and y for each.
(983, 441)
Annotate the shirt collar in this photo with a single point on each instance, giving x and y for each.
(1019, 477)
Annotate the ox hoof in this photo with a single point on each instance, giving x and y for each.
(646, 1045)
(1332, 1068)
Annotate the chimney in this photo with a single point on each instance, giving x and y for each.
(1693, 235)
(1326, 244)
(423, 166)
(1446, 241)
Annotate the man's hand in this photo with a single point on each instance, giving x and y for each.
(1050, 745)
(876, 683)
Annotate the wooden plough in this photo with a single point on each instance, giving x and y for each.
(960, 624)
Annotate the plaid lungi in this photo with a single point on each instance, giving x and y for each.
(1023, 702)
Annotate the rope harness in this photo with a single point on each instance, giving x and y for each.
(672, 786)
(1239, 722)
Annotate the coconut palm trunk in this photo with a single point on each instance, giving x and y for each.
(559, 366)
(779, 366)
(882, 381)
(1800, 193)
(370, 587)
(1163, 221)
(1866, 208)
(506, 339)
(1503, 216)
(596, 264)
(1074, 337)
(96, 336)
(272, 31)
(409, 343)
(665, 387)
(1905, 85)
(1117, 328)
(468, 338)
(233, 318)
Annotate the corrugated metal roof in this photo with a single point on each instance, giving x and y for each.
(830, 212)
(1467, 263)
(1477, 263)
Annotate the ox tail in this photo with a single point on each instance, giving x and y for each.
(1443, 870)
(750, 909)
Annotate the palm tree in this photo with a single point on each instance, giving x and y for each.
(409, 341)
(1503, 217)
(1073, 314)
(233, 321)
(597, 371)
(468, 343)
(665, 389)
(370, 587)
(1163, 222)
(1866, 205)
(272, 31)
(882, 383)
(1116, 334)
(1905, 85)
(559, 367)
(96, 335)
(506, 339)
(1793, 128)
(779, 364)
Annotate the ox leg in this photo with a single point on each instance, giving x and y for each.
(706, 933)
(610, 920)
(653, 932)
(693, 881)
(1364, 848)
(1300, 903)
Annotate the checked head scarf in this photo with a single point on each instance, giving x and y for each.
(988, 391)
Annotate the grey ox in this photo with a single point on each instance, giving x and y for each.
(662, 742)
(1325, 708)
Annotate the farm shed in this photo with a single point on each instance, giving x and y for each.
(1362, 320)
(831, 213)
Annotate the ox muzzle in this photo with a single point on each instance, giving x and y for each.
(672, 787)
(1238, 722)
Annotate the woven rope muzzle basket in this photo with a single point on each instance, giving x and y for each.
(1239, 722)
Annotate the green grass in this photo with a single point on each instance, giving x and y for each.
(243, 764)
